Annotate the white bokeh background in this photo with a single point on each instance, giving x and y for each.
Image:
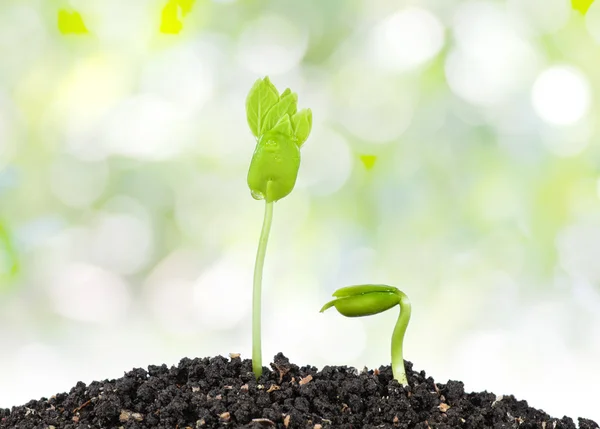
(127, 232)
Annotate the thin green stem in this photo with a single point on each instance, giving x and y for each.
(398, 339)
(257, 287)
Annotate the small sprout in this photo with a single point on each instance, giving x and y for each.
(365, 300)
(280, 130)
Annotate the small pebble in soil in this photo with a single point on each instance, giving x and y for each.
(223, 393)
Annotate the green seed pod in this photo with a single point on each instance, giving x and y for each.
(361, 289)
(365, 300)
(276, 159)
(363, 304)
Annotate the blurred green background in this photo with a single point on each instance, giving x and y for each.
(128, 233)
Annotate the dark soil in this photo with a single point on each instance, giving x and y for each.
(222, 393)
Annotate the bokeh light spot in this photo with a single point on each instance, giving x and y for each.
(126, 26)
(340, 341)
(568, 140)
(90, 88)
(375, 119)
(87, 92)
(121, 242)
(489, 62)
(222, 292)
(144, 127)
(170, 287)
(271, 45)
(180, 75)
(88, 293)
(561, 95)
(78, 184)
(578, 246)
(7, 147)
(406, 39)
(326, 163)
(27, 373)
(539, 16)
(592, 21)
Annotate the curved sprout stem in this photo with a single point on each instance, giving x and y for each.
(369, 299)
(398, 339)
(257, 286)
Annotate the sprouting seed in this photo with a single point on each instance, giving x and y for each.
(365, 300)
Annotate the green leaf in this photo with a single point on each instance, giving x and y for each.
(327, 306)
(302, 124)
(287, 104)
(284, 126)
(262, 97)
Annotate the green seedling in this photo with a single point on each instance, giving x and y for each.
(365, 300)
(280, 131)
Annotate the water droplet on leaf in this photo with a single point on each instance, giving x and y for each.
(257, 195)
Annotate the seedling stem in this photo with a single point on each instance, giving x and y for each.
(257, 286)
(398, 339)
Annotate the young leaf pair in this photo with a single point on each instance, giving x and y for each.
(281, 130)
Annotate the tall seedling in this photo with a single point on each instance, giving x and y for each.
(280, 131)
